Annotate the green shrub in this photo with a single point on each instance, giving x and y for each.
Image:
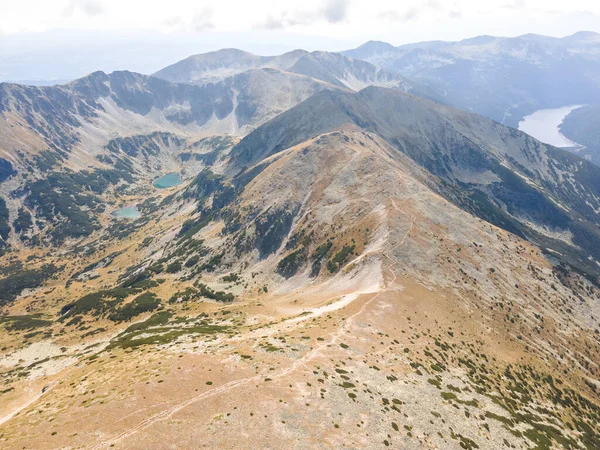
(143, 303)
(13, 284)
(340, 257)
(231, 278)
(289, 266)
(219, 296)
(174, 267)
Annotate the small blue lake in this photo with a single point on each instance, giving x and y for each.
(129, 212)
(168, 180)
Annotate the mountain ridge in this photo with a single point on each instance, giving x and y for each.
(332, 261)
(579, 35)
(473, 164)
(537, 72)
(329, 67)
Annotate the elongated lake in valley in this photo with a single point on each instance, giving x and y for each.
(544, 125)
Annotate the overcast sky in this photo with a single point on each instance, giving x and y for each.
(56, 39)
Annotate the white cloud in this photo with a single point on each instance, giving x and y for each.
(198, 22)
(203, 20)
(335, 19)
(175, 22)
(88, 7)
(64, 39)
(336, 10)
(405, 16)
(333, 12)
(273, 23)
(517, 4)
(428, 10)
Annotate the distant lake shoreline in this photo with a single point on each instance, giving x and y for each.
(168, 180)
(128, 212)
(544, 125)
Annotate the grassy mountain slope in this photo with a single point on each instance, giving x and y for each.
(337, 319)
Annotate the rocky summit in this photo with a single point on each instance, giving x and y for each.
(311, 250)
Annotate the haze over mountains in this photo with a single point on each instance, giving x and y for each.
(362, 252)
(332, 68)
(501, 78)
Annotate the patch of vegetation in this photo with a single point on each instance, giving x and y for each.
(46, 160)
(97, 303)
(160, 318)
(144, 284)
(23, 223)
(212, 263)
(14, 283)
(271, 228)
(174, 267)
(4, 227)
(192, 261)
(6, 169)
(26, 322)
(206, 184)
(154, 334)
(185, 295)
(191, 226)
(317, 257)
(335, 263)
(465, 442)
(147, 144)
(145, 302)
(517, 388)
(216, 143)
(69, 200)
(289, 266)
(219, 296)
(231, 278)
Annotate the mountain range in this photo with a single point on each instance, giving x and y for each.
(501, 78)
(360, 250)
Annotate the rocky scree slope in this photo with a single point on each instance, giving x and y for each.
(495, 172)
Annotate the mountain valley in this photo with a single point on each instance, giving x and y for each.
(349, 258)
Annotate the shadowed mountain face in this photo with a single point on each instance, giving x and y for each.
(583, 126)
(501, 78)
(123, 126)
(244, 100)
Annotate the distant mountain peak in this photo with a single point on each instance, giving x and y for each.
(479, 40)
(376, 47)
(583, 36)
(374, 43)
(370, 49)
(224, 52)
